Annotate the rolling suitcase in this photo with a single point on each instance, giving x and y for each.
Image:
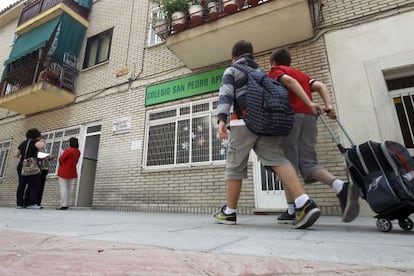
(384, 172)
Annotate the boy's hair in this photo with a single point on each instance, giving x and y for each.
(73, 142)
(242, 47)
(281, 57)
(33, 133)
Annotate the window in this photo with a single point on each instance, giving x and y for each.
(98, 49)
(153, 38)
(4, 153)
(56, 141)
(184, 135)
(400, 85)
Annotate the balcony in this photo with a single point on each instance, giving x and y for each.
(40, 72)
(38, 86)
(38, 12)
(268, 25)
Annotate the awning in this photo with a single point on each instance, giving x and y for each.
(33, 40)
(87, 4)
(70, 37)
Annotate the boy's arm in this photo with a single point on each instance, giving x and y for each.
(323, 91)
(294, 87)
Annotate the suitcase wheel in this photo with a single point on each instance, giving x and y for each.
(406, 224)
(384, 225)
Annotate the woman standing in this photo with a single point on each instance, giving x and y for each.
(67, 172)
(27, 149)
(43, 159)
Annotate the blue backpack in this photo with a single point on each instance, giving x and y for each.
(268, 110)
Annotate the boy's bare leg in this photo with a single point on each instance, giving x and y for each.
(348, 197)
(323, 176)
(233, 192)
(225, 215)
(347, 193)
(306, 211)
(290, 179)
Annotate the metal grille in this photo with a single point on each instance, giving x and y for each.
(161, 145)
(185, 110)
(404, 105)
(184, 138)
(400, 84)
(270, 181)
(201, 107)
(163, 114)
(4, 153)
(56, 142)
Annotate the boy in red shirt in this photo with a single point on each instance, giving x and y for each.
(300, 145)
(241, 141)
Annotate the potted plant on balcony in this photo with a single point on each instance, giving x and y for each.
(196, 12)
(232, 6)
(175, 11)
(213, 9)
(252, 3)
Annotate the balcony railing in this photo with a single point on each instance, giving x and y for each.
(207, 15)
(204, 40)
(39, 6)
(19, 78)
(61, 75)
(221, 9)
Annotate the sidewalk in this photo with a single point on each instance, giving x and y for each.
(93, 242)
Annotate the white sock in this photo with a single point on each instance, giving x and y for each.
(337, 185)
(301, 200)
(291, 208)
(229, 211)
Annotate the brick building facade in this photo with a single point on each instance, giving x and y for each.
(116, 172)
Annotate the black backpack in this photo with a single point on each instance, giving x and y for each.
(268, 109)
(384, 171)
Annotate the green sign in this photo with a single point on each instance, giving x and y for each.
(185, 87)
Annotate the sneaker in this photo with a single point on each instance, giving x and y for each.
(20, 207)
(349, 200)
(285, 218)
(35, 206)
(306, 215)
(221, 217)
(62, 208)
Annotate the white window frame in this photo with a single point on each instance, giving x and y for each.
(211, 112)
(5, 147)
(153, 38)
(401, 93)
(103, 43)
(52, 137)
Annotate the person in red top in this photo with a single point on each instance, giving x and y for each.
(300, 145)
(67, 172)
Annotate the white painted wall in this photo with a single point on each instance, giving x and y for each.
(357, 57)
(6, 35)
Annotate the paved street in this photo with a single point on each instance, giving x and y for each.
(94, 242)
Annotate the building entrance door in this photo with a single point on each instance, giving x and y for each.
(88, 170)
(269, 194)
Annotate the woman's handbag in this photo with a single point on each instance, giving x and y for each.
(30, 166)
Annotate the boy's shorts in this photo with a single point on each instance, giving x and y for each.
(300, 146)
(241, 141)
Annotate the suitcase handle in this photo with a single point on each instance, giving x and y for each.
(338, 143)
